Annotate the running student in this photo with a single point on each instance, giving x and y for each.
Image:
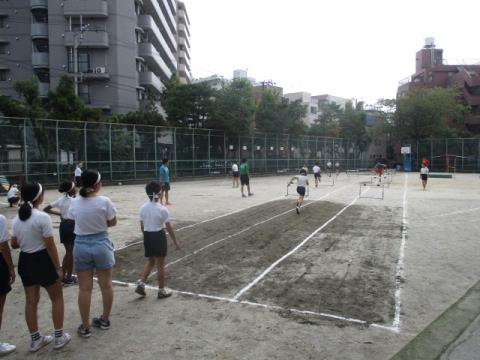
(165, 181)
(38, 266)
(424, 175)
(93, 252)
(7, 277)
(317, 174)
(13, 195)
(245, 177)
(302, 183)
(67, 226)
(154, 218)
(235, 175)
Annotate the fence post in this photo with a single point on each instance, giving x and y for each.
(225, 153)
(431, 151)
(155, 151)
(25, 150)
(174, 150)
(110, 150)
(85, 145)
(253, 153)
(193, 152)
(57, 150)
(209, 156)
(266, 156)
(134, 154)
(463, 153)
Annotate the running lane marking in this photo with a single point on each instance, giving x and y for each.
(271, 267)
(246, 229)
(399, 277)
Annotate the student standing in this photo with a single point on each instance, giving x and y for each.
(93, 251)
(154, 218)
(78, 174)
(38, 265)
(235, 174)
(13, 195)
(316, 174)
(245, 177)
(424, 175)
(7, 277)
(302, 183)
(67, 226)
(165, 181)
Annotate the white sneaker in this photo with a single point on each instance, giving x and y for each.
(6, 349)
(61, 341)
(38, 344)
(164, 293)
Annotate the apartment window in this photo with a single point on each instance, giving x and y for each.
(83, 59)
(3, 48)
(2, 22)
(141, 66)
(40, 45)
(43, 75)
(40, 16)
(140, 94)
(84, 93)
(3, 75)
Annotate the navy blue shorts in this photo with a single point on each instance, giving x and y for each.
(4, 277)
(301, 190)
(155, 243)
(36, 269)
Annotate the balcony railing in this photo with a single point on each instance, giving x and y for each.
(92, 39)
(38, 4)
(154, 60)
(39, 30)
(148, 78)
(40, 59)
(43, 89)
(87, 8)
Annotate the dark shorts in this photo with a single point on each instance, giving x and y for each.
(155, 243)
(4, 277)
(301, 190)
(424, 177)
(235, 174)
(36, 269)
(317, 175)
(67, 236)
(78, 181)
(13, 200)
(165, 186)
(244, 179)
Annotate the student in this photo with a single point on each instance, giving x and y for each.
(38, 266)
(302, 183)
(7, 277)
(78, 174)
(13, 195)
(93, 251)
(244, 177)
(154, 218)
(67, 226)
(165, 181)
(305, 167)
(235, 174)
(424, 175)
(316, 174)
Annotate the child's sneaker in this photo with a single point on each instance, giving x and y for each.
(101, 323)
(140, 289)
(70, 281)
(297, 210)
(6, 349)
(250, 194)
(61, 341)
(84, 332)
(164, 293)
(36, 345)
(243, 195)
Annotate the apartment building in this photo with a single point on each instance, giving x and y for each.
(183, 44)
(117, 51)
(310, 103)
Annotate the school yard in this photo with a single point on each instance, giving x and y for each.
(351, 277)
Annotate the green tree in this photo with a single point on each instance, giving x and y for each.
(269, 116)
(353, 125)
(427, 113)
(328, 121)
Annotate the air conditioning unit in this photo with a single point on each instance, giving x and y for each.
(100, 70)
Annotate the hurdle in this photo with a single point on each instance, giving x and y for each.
(371, 185)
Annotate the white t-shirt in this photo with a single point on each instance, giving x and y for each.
(78, 171)
(424, 170)
(316, 169)
(235, 168)
(154, 216)
(91, 214)
(302, 180)
(31, 232)
(63, 204)
(4, 235)
(13, 192)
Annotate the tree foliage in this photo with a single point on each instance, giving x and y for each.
(328, 121)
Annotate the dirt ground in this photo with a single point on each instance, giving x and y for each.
(347, 269)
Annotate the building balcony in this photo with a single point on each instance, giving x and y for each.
(154, 60)
(43, 89)
(90, 38)
(183, 31)
(184, 71)
(38, 4)
(182, 54)
(183, 17)
(96, 73)
(40, 59)
(153, 8)
(39, 30)
(149, 79)
(146, 22)
(183, 41)
(86, 8)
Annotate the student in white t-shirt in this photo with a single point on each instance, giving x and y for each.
(235, 175)
(424, 175)
(317, 173)
(7, 276)
(154, 218)
(38, 265)
(78, 174)
(93, 252)
(13, 195)
(67, 226)
(302, 183)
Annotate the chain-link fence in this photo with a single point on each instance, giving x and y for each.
(48, 151)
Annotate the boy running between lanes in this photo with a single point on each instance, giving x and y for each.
(302, 183)
(317, 174)
(424, 175)
(154, 218)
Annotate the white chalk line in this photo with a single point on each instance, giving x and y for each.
(265, 306)
(271, 267)
(399, 276)
(452, 213)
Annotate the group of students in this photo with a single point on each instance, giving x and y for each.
(85, 220)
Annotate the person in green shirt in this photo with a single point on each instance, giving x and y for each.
(244, 178)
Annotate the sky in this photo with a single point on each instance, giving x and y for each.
(349, 48)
